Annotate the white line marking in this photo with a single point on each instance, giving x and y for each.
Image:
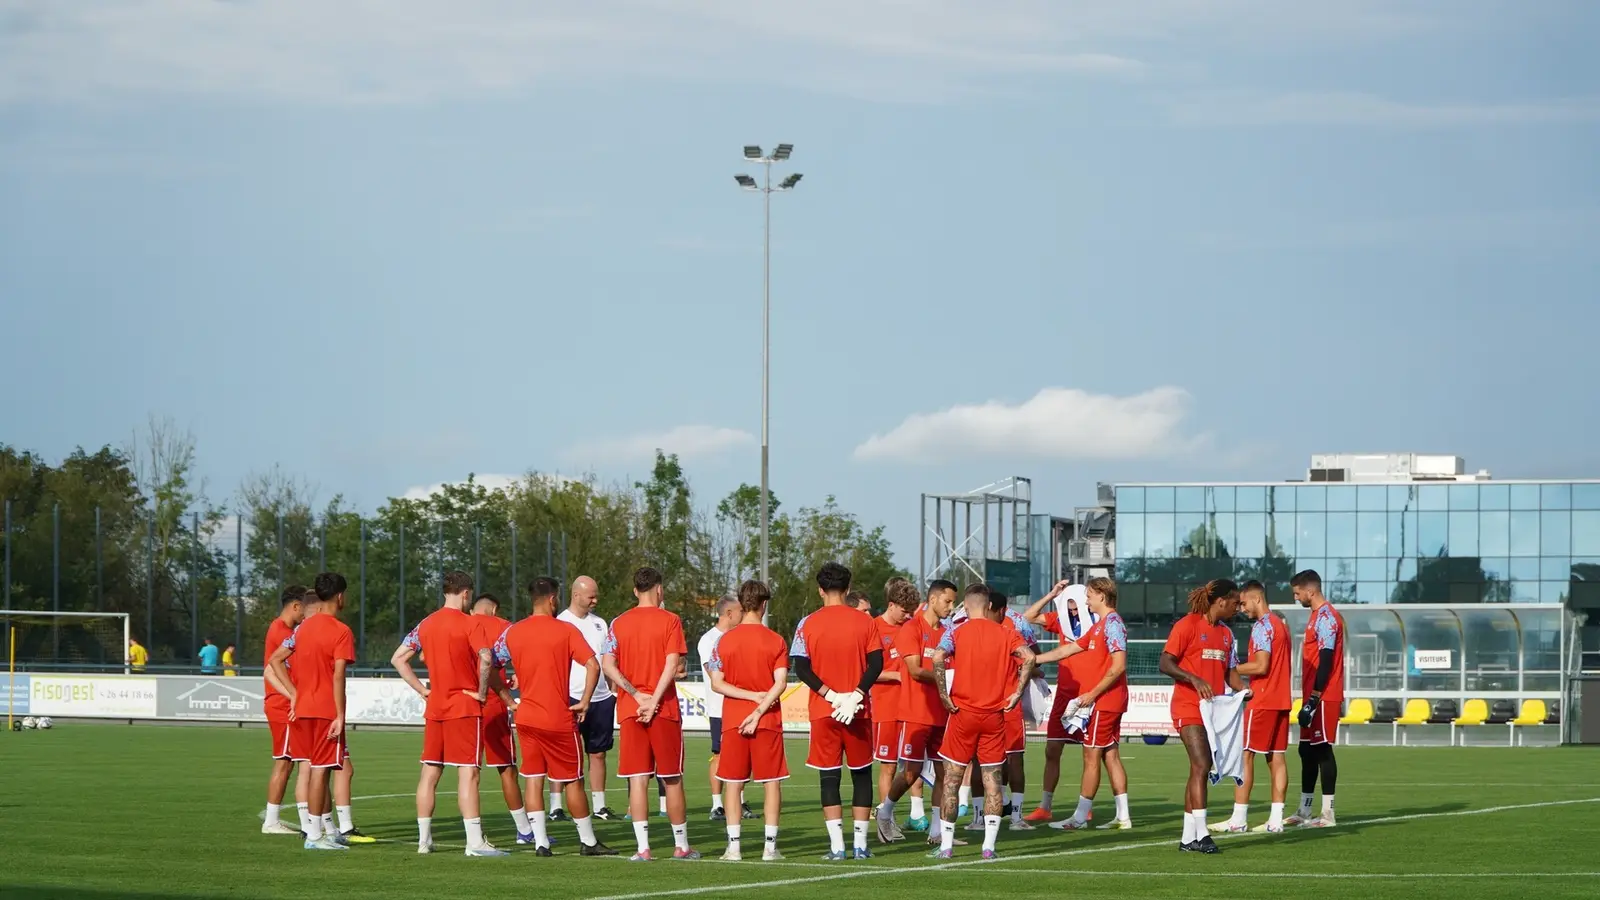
(1323, 875)
(1082, 851)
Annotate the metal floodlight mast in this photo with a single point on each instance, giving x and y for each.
(753, 153)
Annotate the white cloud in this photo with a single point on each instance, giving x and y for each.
(1236, 108)
(687, 441)
(1056, 423)
(491, 481)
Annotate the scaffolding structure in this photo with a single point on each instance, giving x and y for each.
(979, 535)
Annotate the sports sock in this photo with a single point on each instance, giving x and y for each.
(886, 811)
(1085, 806)
(917, 809)
(716, 802)
(1277, 815)
(860, 834)
(641, 833)
(991, 830)
(663, 804)
(598, 799)
(1199, 817)
(680, 836)
(305, 817)
(424, 831)
(520, 818)
(536, 823)
(1305, 805)
(1188, 828)
(772, 838)
(1046, 798)
(1122, 807)
(1241, 814)
(733, 835)
(347, 821)
(314, 828)
(935, 823)
(474, 829)
(585, 830)
(835, 835)
(1327, 806)
(274, 813)
(964, 795)
(327, 824)
(947, 837)
(1016, 806)
(556, 800)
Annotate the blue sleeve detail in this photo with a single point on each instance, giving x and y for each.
(714, 664)
(502, 654)
(1261, 635)
(948, 642)
(609, 645)
(413, 642)
(1116, 634)
(289, 641)
(1327, 630)
(797, 647)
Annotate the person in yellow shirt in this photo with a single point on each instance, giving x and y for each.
(228, 668)
(137, 655)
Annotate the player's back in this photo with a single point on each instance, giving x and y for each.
(542, 651)
(318, 641)
(988, 667)
(449, 641)
(1324, 631)
(886, 695)
(747, 655)
(641, 639)
(1271, 690)
(835, 640)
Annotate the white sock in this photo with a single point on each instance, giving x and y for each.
(1241, 814)
(327, 824)
(305, 817)
(541, 834)
(1046, 798)
(1016, 806)
(474, 832)
(1327, 806)
(680, 836)
(347, 821)
(964, 795)
(313, 828)
(424, 831)
(641, 833)
(835, 834)
(861, 834)
(917, 809)
(1199, 817)
(886, 811)
(1122, 807)
(947, 836)
(556, 798)
(274, 813)
(1277, 815)
(733, 835)
(935, 823)
(1188, 828)
(1085, 806)
(520, 818)
(772, 838)
(991, 830)
(1305, 805)
(598, 799)
(663, 806)
(716, 802)
(585, 830)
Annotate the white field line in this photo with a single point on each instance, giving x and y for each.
(1083, 851)
(1332, 876)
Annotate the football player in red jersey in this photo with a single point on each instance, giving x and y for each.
(1199, 658)
(1322, 684)
(290, 614)
(1266, 727)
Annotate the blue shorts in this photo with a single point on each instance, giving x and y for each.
(716, 736)
(599, 725)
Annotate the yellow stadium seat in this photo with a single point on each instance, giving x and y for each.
(1533, 713)
(1417, 713)
(1476, 712)
(1294, 710)
(1359, 713)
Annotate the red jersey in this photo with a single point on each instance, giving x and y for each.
(1108, 636)
(886, 695)
(276, 704)
(1325, 631)
(1074, 675)
(1202, 649)
(641, 639)
(836, 639)
(492, 627)
(988, 666)
(919, 700)
(542, 651)
(449, 641)
(315, 645)
(1270, 635)
(747, 655)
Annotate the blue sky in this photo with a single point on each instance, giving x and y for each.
(386, 244)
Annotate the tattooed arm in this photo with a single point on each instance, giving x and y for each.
(941, 679)
(1024, 672)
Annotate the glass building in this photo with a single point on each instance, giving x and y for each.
(1400, 537)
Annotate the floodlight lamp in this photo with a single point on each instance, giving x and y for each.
(788, 183)
(751, 151)
(783, 151)
(746, 182)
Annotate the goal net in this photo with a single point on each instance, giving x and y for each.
(42, 641)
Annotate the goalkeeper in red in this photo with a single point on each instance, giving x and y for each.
(1322, 683)
(838, 655)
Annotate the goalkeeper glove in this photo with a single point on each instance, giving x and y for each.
(849, 705)
(1308, 710)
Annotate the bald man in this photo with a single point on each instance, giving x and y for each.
(600, 723)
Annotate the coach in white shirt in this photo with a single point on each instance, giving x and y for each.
(728, 614)
(600, 723)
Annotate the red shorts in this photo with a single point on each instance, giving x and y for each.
(1104, 729)
(1266, 730)
(279, 730)
(1053, 729)
(979, 735)
(309, 743)
(831, 742)
(1324, 727)
(452, 742)
(920, 742)
(653, 749)
(1186, 715)
(550, 754)
(1016, 736)
(886, 741)
(757, 758)
(498, 750)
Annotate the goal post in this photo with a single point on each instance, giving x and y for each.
(46, 640)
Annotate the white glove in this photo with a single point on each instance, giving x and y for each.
(849, 705)
(833, 697)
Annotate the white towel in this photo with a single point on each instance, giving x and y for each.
(1036, 700)
(1078, 720)
(1075, 600)
(1224, 719)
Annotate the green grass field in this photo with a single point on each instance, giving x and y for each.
(94, 812)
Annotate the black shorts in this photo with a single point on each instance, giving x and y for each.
(716, 736)
(599, 725)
